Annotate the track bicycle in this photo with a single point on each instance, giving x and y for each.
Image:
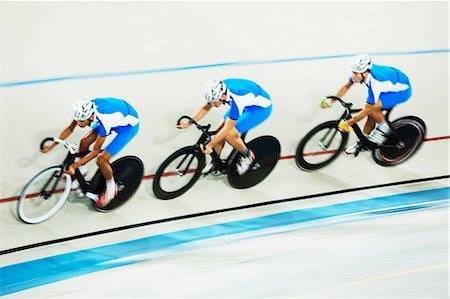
(323, 144)
(45, 194)
(181, 170)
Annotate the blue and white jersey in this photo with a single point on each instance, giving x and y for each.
(244, 93)
(113, 115)
(384, 79)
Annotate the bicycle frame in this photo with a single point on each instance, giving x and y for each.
(347, 114)
(223, 165)
(70, 158)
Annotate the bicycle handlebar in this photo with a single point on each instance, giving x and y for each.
(204, 129)
(347, 106)
(68, 146)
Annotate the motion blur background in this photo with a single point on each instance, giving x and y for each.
(157, 56)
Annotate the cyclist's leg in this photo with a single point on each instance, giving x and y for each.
(123, 137)
(391, 99)
(369, 125)
(85, 143)
(250, 118)
(88, 139)
(386, 101)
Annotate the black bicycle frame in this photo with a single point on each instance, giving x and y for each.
(365, 141)
(69, 160)
(203, 140)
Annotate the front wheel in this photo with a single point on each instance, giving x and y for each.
(320, 146)
(44, 195)
(409, 133)
(178, 173)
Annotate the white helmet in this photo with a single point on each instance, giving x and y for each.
(214, 90)
(361, 63)
(83, 109)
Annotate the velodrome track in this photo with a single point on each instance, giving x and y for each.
(352, 229)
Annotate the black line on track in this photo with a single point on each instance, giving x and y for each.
(131, 226)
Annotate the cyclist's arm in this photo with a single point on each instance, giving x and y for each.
(197, 116)
(343, 90)
(202, 112)
(220, 125)
(363, 113)
(64, 134)
(223, 133)
(94, 153)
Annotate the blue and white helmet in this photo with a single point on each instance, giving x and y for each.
(361, 63)
(214, 90)
(83, 109)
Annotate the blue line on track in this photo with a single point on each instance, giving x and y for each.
(204, 66)
(22, 276)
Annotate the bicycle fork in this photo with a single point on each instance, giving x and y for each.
(48, 194)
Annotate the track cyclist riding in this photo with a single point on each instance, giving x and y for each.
(387, 87)
(104, 116)
(250, 105)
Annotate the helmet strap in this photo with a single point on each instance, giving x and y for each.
(363, 79)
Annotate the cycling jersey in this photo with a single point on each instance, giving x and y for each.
(250, 104)
(115, 115)
(245, 93)
(388, 84)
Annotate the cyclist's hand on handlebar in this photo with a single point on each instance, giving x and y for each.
(183, 125)
(71, 169)
(326, 103)
(47, 148)
(344, 127)
(206, 149)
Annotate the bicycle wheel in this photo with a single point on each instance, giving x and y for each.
(44, 195)
(411, 133)
(267, 153)
(320, 146)
(128, 172)
(178, 173)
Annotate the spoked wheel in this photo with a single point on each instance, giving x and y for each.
(128, 172)
(320, 146)
(410, 132)
(44, 195)
(267, 153)
(178, 173)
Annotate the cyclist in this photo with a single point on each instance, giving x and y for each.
(387, 87)
(104, 116)
(250, 105)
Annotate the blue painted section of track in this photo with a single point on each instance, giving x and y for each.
(204, 66)
(18, 277)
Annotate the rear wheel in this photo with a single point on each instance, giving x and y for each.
(320, 146)
(128, 172)
(178, 173)
(267, 153)
(409, 133)
(44, 195)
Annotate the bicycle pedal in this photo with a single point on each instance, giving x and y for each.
(92, 196)
(255, 166)
(79, 193)
(120, 186)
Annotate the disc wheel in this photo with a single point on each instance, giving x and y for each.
(267, 153)
(409, 133)
(128, 172)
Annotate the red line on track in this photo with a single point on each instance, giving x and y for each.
(151, 176)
